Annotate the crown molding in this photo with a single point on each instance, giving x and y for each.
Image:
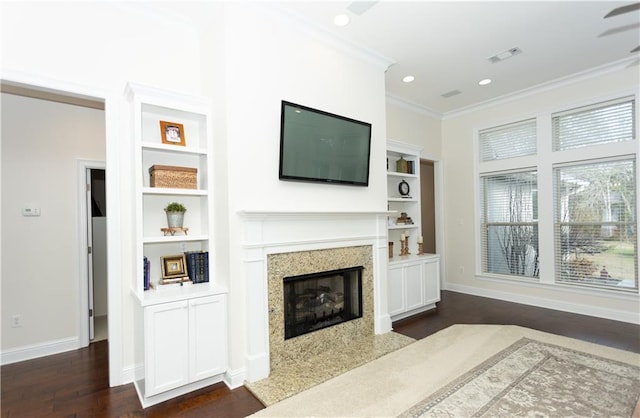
(329, 38)
(414, 107)
(541, 88)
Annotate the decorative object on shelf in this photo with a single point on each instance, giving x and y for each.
(404, 219)
(401, 166)
(420, 245)
(404, 189)
(174, 269)
(390, 249)
(172, 133)
(175, 214)
(172, 231)
(404, 244)
(173, 177)
(197, 266)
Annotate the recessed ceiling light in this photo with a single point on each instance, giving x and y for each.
(341, 20)
(408, 79)
(484, 82)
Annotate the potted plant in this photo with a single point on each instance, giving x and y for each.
(175, 214)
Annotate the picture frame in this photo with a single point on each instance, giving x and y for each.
(173, 266)
(172, 133)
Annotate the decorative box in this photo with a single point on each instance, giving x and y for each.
(173, 177)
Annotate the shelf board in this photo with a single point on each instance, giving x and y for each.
(403, 200)
(405, 175)
(160, 239)
(173, 148)
(402, 226)
(169, 191)
(177, 293)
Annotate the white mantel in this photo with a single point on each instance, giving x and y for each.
(275, 232)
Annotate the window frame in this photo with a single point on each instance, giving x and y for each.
(543, 162)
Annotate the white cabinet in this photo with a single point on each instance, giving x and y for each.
(413, 279)
(413, 286)
(166, 346)
(181, 330)
(184, 342)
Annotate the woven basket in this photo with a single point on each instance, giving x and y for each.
(173, 177)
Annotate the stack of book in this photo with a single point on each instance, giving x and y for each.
(147, 274)
(198, 266)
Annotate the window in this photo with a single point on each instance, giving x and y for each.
(509, 224)
(595, 236)
(508, 141)
(586, 194)
(602, 123)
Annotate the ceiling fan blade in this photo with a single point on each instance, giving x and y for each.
(636, 49)
(623, 9)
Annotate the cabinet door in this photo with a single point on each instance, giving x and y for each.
(208, 336)
(414, 287)
(431, 272)
(166, 347)
(396, 288)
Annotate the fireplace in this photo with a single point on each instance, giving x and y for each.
(279, 244)
(319, 300)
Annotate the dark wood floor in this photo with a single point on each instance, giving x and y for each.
(75, 384)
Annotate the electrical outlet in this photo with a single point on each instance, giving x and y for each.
(16, 321)
(461, 269)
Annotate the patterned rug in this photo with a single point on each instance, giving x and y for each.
(532, 378)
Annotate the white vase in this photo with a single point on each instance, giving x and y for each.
(175, 219)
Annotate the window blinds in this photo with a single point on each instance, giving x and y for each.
(595, 217)
(507, 141)
(601, 123)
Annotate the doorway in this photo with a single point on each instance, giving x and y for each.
(97, 253)
(428, 205)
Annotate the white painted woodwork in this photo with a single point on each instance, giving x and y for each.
(413, 285)
(184, 328)
(166, 346)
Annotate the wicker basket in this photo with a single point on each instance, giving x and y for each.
(173, 177)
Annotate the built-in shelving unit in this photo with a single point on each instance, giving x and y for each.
(396, 202)
(413, 279)
(180, 329)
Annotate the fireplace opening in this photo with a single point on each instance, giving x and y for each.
(320, 300)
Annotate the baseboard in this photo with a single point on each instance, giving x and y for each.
(29, 352)
(559, 305)
(235, 378)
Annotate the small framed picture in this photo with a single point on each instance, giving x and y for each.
(172, 133)
(173, 266)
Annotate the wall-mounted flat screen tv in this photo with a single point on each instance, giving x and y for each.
(317, 146)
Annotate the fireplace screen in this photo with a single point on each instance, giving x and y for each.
(319, 300)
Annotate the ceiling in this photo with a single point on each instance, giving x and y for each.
(445, 45)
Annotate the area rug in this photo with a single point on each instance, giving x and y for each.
(531, 378)
(409, 378)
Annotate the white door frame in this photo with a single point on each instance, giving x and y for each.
(84, 219)
(112, 102)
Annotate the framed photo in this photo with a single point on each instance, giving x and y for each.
(173, 266)
(172, 133)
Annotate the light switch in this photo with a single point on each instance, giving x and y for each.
(31, 212)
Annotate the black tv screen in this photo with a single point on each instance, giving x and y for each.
(318, 146)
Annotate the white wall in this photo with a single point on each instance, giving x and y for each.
(41, 143)
(268, 58)
(247, 58)
(94, 49)
(460, 213)
(412, 125)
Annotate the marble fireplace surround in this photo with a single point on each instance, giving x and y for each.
(277, 244)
